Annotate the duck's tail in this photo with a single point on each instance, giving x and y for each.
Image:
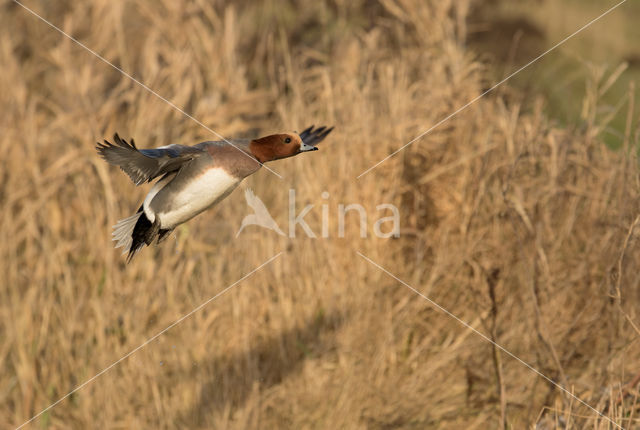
(134, 232)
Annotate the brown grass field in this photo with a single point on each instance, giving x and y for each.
(525, 228)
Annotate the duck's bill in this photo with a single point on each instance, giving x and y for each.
(312, 137)
(304, 147)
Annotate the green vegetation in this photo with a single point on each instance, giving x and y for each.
(523, 30)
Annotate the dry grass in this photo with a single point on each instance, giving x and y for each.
(526, 230)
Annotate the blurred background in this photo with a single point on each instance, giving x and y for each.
(519, 215)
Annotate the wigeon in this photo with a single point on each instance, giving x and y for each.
(192, 178)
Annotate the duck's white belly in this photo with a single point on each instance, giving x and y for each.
(194, 196)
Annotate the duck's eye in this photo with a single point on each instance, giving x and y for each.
(287, 140)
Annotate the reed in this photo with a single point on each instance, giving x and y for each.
(525, 229)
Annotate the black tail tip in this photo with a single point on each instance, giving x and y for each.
(143, 234)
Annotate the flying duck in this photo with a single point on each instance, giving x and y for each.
(192, 178)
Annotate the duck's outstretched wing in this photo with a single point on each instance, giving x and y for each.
(144, 165)
(312, 137)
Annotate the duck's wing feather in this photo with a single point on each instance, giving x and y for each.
(312, 136)
(144, 165)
